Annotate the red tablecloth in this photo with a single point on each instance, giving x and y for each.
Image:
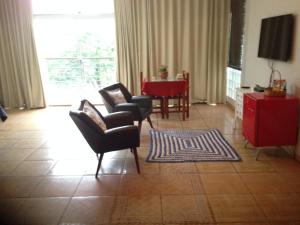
(164, 88)
(167, 89)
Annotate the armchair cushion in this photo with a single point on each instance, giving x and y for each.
(116, 95)
(89, 110)
(143, 101)
(118, 119)
(132, 107)
(121, 137)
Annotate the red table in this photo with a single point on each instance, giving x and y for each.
(168, 89)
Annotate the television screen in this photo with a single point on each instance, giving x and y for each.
(276, 37)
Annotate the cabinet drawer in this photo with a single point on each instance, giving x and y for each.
(249, 103)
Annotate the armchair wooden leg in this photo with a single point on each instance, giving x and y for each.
(149, 121)
(136, 160)
(140, 126)
(99, 164)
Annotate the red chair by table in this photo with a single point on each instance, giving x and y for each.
(179, 107)
(159, 98)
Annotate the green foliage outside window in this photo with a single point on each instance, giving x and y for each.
(90, 60)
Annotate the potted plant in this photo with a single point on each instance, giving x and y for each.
(163, 71)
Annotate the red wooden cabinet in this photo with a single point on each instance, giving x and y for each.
(270, 121)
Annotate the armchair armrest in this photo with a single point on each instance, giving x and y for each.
(132, 107)
(143, 101)
(118, 119)
(126, 136)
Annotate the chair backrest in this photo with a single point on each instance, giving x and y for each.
(92, 133)
(108, 101)
(186, 76)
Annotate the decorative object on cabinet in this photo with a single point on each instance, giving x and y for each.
(270, 121)
(276, 87)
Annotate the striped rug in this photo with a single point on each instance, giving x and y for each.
(190, 146)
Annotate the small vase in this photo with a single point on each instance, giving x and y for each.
(164, 75)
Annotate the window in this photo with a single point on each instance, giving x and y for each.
(235, 47)
(76, 46)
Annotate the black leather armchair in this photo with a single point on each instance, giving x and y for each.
(120, 133)
(139, 106)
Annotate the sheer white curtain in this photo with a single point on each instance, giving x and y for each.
(20, 79)
(183, 34)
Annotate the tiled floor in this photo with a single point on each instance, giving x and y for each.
(47, 177)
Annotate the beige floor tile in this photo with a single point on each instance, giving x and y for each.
(172, 184)
(292, 180)
(235, 208)
(75, 167)
(103, 185)
(144, 140)
(285, 223)
(112, 166)
(250, 165)
(15, 154)
(117, 154)
(234, 138)
(242, 150)
(194, 124)
(279, 207)
(177, 168)
(12, 187)
(286, 165)
(6, 143)
(163, 192)
(6, 134)
(28, 143)
(7, 167)
(30, 134)
(215, 167)
(33, 168)
(143, 184)
(137, 209)
(223, 183)
(89, 210)
(168, 124)
(41, 211)
(47, 154)
(142, 153)
(56, 187)
(266, 183)
(145, 167)
(247, 223)
(185, 209)
(9, 208)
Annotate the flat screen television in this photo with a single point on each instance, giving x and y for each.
(276, 37)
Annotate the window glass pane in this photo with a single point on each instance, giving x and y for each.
(76, 52)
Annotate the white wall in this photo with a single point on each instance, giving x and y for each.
(256, 70)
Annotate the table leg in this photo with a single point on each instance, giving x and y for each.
(187, 104)
(167, 107)
(183, 107)
(162, 108)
